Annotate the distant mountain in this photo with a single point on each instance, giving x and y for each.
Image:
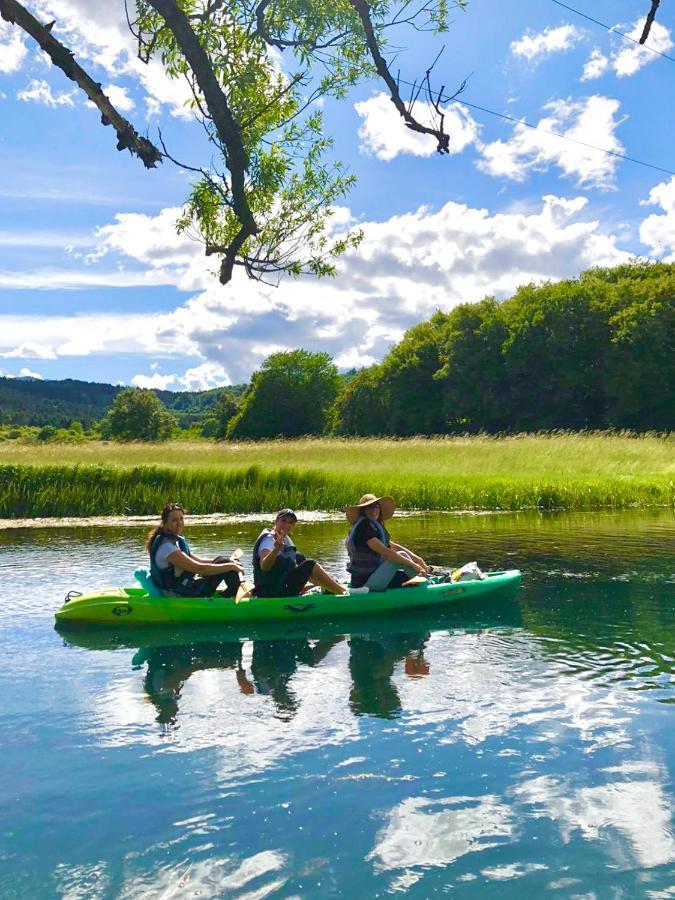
(28, 401)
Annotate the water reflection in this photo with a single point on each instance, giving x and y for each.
(527, 743)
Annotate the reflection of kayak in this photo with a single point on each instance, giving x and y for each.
(487, 612)
(133, 606)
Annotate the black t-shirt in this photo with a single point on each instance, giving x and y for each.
(364, 533)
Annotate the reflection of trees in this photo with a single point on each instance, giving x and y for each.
(372, 662)
(606, 629)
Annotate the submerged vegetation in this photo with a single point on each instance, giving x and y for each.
(563, 470)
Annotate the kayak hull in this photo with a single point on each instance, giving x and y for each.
(133, 606)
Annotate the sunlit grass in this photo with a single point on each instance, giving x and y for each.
(555, 455)
(572, 471)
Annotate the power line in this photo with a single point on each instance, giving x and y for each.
(613, 30)
(557, 134)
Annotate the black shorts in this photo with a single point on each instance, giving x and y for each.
(294, 582)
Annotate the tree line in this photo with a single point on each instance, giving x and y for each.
(597, 351)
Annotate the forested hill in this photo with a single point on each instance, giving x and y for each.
(58, 403)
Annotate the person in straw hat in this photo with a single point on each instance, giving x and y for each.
(375, 561)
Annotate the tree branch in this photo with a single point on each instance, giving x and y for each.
(650, 20)
(363, 10)
(127, 136)
(226, 126)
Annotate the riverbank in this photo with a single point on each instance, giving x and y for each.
(556, 471)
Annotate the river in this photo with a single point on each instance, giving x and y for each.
(525, 745)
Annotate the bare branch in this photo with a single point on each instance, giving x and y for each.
(649, 22)
(229, 132)
(363, 10)
(127, 136)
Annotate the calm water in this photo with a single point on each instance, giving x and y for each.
(522, 746)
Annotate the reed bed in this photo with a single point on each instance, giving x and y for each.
(83, 490)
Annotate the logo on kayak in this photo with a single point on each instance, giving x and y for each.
(121, 611)
(299, 607)
(452, 591)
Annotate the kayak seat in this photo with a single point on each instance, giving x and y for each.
(142, 576)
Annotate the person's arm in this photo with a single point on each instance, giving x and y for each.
(269, 557)
(393, 555)
(415, 558)
(189, 564)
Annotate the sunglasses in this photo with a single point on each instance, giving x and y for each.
(171, 506)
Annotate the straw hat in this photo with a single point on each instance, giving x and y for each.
(387, 507)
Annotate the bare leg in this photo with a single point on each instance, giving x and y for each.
(321, 577)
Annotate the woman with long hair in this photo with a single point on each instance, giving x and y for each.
(176, 570)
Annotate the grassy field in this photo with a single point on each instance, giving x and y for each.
(573, 471)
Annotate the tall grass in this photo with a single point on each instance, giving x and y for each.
(28, 491)
(555, 455)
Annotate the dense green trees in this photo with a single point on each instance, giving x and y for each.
(592, 352)
(292, 394)
(138, 415)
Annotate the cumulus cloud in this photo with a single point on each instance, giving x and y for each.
(657, 231)
(627, 59)
(97, 32)
(41, 92)
(156, 381)
(535, 47)
(28, 373)
(591, 120)
(119, 97)
(406, 268)
(384, 133)
(596, 65)
(12, 48)
(30, 351)
(203, 378)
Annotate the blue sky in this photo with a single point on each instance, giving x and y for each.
(94, 283)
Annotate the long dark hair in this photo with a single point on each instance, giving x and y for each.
(167, 509)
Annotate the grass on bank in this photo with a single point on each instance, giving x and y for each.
(571, 471)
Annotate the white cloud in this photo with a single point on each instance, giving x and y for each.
(596, 65)
(405, 269)
(657, 231)
(203, 378)
(384, 133)
(157, 381)
(119, 98)
(41, 92)
(98, 34)
(592, 120)
(627, 59)
(30, 351)
(534, 47)
(28, 373)
(631, 58)
(12, 48)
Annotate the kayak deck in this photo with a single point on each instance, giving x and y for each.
(134, 606)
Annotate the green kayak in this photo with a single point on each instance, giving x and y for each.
(134, 606)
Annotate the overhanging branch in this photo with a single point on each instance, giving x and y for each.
(226, 126)
(363, 10)
(127, 136)
(649, 22)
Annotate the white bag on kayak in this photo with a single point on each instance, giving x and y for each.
(468, 572)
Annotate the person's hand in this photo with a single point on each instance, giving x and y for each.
(424, 568)
(279, 538)
(233, 567)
